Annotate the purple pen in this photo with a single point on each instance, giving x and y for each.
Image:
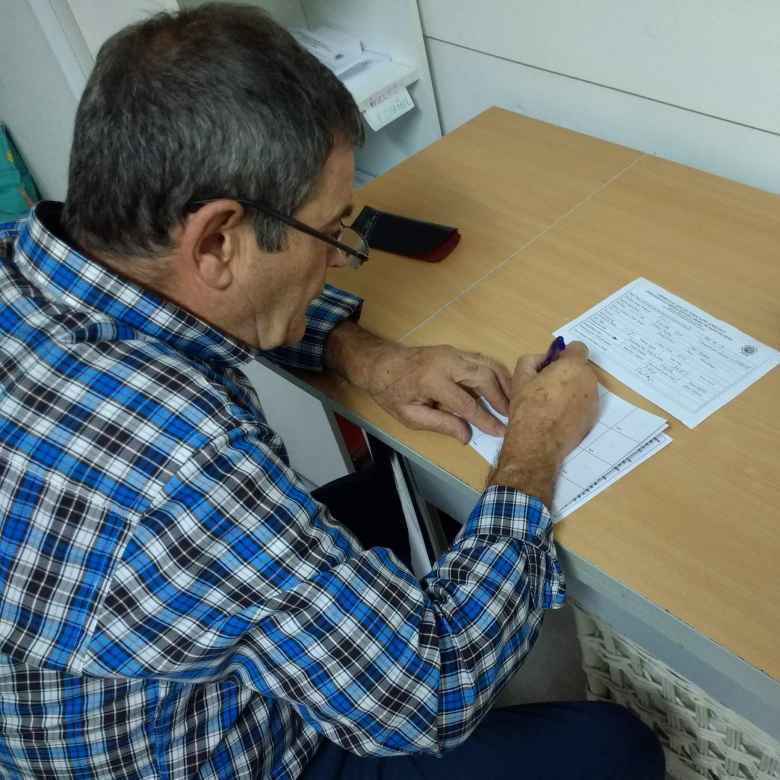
(555, 349)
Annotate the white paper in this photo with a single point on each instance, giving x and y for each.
(375, 81)
(387, 107)
(335, 49)
(669, 351)
(621, 430)
(648, 449)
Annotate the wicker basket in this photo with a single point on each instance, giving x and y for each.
(702, 739)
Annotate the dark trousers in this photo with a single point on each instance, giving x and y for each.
(561, 740)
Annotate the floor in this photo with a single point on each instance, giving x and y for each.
(553, 669)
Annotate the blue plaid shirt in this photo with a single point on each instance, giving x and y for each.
(172, 601)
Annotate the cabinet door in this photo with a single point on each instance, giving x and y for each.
(308, 430)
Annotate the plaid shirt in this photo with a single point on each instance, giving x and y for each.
(172, 602)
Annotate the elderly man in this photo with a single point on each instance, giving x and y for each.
(172, 601)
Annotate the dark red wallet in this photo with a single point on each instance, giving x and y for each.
(405, 236)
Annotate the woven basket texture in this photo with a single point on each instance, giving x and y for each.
(702, 738)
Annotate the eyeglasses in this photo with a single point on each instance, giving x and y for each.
(348, 241)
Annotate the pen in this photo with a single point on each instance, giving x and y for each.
(555, 349)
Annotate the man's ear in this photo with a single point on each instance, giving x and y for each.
(210, 242)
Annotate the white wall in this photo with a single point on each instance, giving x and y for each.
(47, 49)
(99, 20)
(38, 96)
(697, 81)
(286, 12)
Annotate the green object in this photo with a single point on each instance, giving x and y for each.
(18, 192)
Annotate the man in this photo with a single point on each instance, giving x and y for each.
(174, 604)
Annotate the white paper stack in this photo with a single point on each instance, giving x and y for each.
(335, 49)
(624, 435)
(377, 82)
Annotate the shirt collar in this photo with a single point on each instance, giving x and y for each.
(62, 273)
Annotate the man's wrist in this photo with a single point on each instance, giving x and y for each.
(530, 483)
(352, 352)
(530, 468)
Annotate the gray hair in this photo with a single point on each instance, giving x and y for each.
(210, 102)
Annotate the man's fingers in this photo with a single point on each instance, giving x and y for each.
(499, 372)
(526, 370)
(495, 396)
(575, 350)
(485, 382)
(504, 379)
(429, 419)
(457, 400)
(500, 376)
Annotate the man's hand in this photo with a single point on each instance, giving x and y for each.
(550, 413)
(426, 388)
(436, 389)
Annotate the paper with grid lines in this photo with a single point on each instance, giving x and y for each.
(624, 435)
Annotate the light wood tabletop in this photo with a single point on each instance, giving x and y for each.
(445, 183)
(552, 223)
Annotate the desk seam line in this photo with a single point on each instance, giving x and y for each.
(522, 248)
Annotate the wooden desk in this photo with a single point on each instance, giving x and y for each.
(682, 554)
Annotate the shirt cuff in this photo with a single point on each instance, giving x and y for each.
(506, 512)
(330, 308)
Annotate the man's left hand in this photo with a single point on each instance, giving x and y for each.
(426, 388)
(437, 389)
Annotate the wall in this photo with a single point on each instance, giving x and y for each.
(38, 96)
(692, 80)
(98, 21)
(286, 12)
(47, 50)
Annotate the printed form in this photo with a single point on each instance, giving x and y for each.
(624, 435)
(669, 351)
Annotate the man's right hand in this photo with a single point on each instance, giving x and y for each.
(549, 414)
